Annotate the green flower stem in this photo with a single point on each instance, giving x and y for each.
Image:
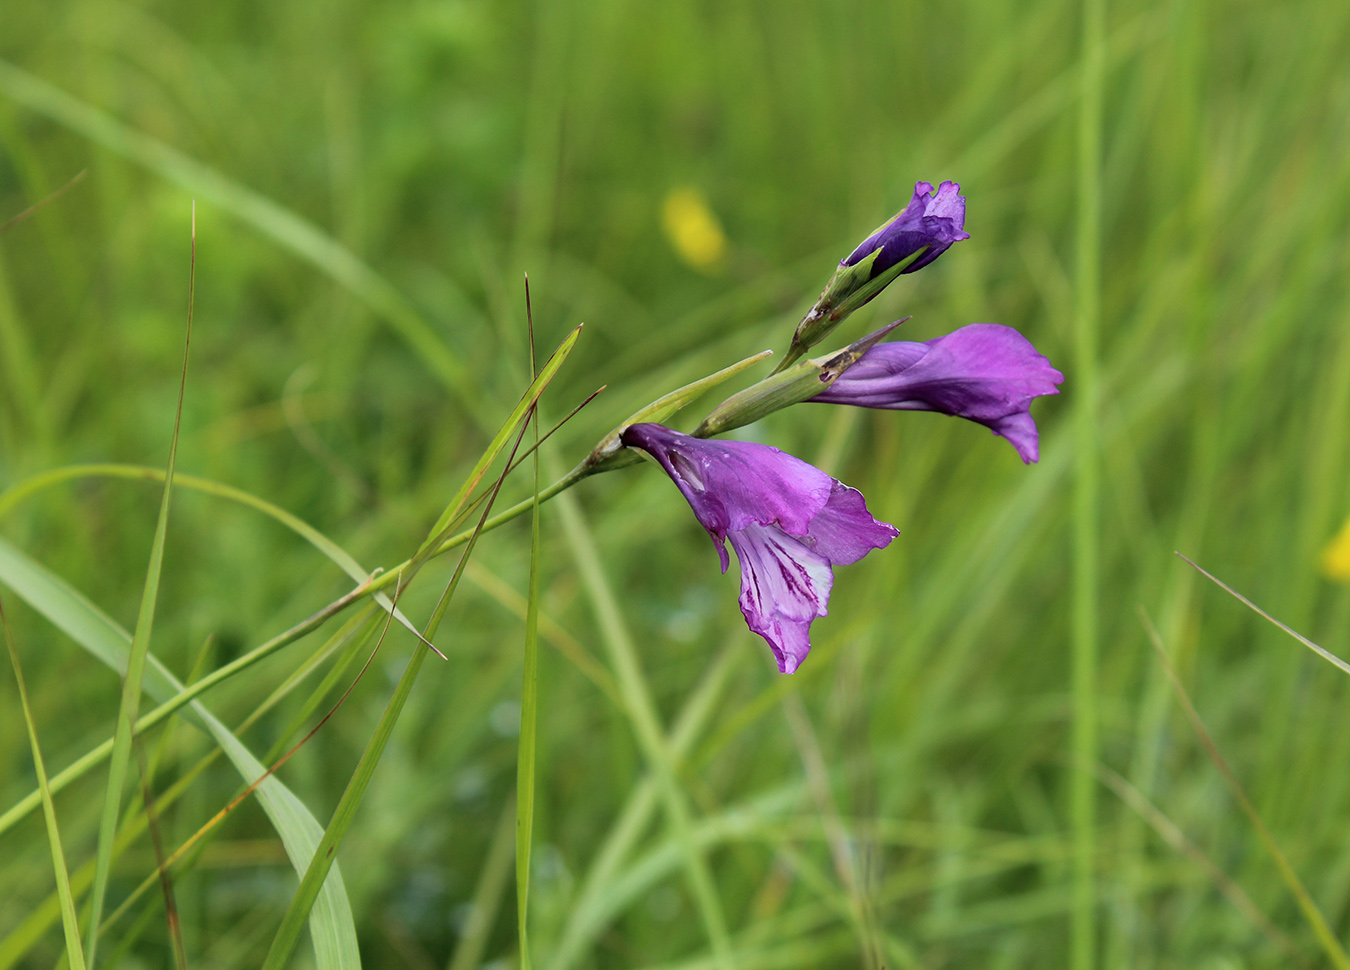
(389, 576)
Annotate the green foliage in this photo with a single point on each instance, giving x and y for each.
(372, 179)
(69, 920)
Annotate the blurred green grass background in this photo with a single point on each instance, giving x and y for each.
(452, 146)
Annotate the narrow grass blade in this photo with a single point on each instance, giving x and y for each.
(288, 934)
(498, 443)
(1322, 652)
(641, 710)
(69, 918)
(89, 626)
(20, 491)
(161, 866)
(140, 648)
(79, 618)
(1086, 543)
(549, 628)
(606, 455)
(1331, 946)
(519, 509)
(520, 459)
(128, 940)
(589, 913)
(842, 841)
(331, 926)
(558, 425)
(21, 938)
(352, 636)
(529, 702)
(1173, 836)
(768, 699)
(761, 817)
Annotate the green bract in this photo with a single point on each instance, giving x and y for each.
(849, 288)
(786, 387)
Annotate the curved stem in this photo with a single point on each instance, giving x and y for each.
(583, 470)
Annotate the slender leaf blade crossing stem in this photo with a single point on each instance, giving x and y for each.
(1087, 284)
(529, 698)
(140, 647)
(288, 934)
(1331, 946)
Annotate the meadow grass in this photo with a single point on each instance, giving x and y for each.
(372, 180)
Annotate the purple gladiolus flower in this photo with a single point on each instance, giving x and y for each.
(788, 521)
(985, 372)
(935, 221)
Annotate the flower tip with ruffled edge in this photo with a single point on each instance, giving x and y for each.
(934, 221)
(789, 522)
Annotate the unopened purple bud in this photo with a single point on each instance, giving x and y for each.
(932, 221)
(910, 240)
(983, 372)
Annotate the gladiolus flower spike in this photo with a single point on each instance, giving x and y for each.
(983, 372)
(788, 521)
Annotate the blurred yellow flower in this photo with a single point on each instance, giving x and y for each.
(1336, 556)
(693, 229)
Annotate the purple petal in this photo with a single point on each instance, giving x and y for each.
(844, 531)
(1019, 430)
(949, 204)
(935, 221)
(784, 586)
(788, 521)
(983, 372)
(732, 484)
